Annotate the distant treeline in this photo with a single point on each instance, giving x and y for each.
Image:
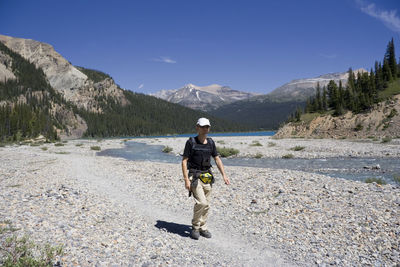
(266, 114)
(147, 115)
(361, 92)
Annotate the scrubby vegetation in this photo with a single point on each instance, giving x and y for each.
(227, 152)
(298, 148)
(375, 180)
(167, 149)
(21, 251)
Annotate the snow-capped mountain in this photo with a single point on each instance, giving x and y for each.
(203, 97)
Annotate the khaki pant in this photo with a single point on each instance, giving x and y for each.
(202, 194)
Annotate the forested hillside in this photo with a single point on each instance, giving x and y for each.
(258, 114)
(25, 103)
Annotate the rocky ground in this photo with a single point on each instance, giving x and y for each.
(113, 212)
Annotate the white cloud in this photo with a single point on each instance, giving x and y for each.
(141, 86)
(164, 60)
(389, 18)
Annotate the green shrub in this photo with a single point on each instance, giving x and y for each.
(58, 144)
(288, 156)
(20, 251)
(79, 144)
(43, 148)
(271, 144)
(227, 152)
(222, 142)
(386, 139)
(65, 141)
(62, 153)
(358, 127)
(298, 148)
(96, 148)
(393, 113)
(167, 149)
(375, 180)
(255, 143)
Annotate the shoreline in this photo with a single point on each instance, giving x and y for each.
(111, 211)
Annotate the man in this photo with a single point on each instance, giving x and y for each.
(198, 176)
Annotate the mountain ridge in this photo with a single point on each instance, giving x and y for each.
(203, 98)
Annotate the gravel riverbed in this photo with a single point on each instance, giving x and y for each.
(113, 212)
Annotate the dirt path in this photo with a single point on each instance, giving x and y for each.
(229, 247)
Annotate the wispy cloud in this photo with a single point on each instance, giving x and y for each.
(328, 56)
(388, 17)
(141, 86)
(164, 60)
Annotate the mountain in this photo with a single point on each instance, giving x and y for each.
(302, 89)
(204, 98)
(42, 93)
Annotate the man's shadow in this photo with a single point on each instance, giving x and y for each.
(175, 228)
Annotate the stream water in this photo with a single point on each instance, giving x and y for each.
(344, 167)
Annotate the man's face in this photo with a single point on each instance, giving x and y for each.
(203, 129)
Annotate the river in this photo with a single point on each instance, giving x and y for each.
(351, 168)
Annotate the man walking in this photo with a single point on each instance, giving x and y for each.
(196, 168)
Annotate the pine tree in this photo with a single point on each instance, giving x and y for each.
(390, 57)
(318, 104)
(324, 99)
(332, 94)
(386, 71)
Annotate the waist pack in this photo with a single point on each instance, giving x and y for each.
(206, 178)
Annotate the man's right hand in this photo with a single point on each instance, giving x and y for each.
(187, 184)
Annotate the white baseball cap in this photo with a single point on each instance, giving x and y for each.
(203, 122)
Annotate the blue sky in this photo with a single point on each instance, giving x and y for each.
(250, 45)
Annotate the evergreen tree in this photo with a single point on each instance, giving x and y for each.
(324, 99)
(386, 71)
(332, 94)
(390, 57)
(318, 99)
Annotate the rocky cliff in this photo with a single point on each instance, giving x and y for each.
(72, 83)
(383, 120)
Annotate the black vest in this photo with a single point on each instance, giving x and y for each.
(200, 155)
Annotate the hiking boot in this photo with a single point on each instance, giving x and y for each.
(205, 233)
(195, 234)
